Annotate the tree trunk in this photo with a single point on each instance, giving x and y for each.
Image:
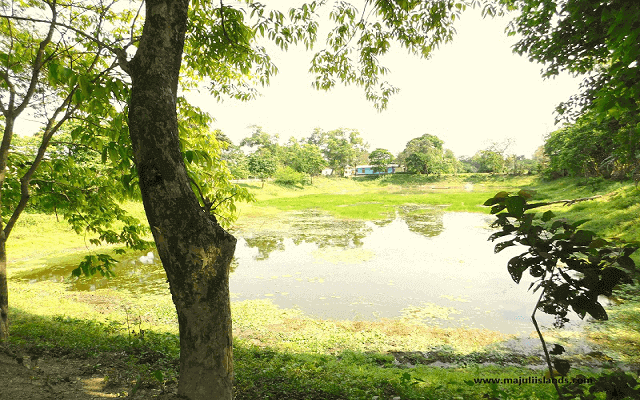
(4, 287)
(195, 251)
(4, 291)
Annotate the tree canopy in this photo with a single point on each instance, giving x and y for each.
(341, 147)
(598, 40)
(380, 159)
(595, 38)
(425, 155)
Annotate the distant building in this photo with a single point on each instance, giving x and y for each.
(368, 170)
(327, 172)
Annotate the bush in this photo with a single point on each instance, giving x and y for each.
(289, 176)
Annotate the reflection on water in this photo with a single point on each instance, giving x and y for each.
(422, 264)
(324, 231)
(141, 274)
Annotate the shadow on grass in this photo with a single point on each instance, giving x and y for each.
(137, 356)
(288, 185)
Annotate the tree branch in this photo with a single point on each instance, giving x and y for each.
(566, 202)
(120, 53)
(51, 128)
(38, 62)
(544, 347)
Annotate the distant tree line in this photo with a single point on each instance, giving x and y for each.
(297, 162)
(591, 146)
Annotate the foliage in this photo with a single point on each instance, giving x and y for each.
(72, 181)
(418, 163)
(421, 145)
(417, 26)
(289, 176)
(380, 159)
(450, 164)
(519, 165)
(81, 164)
(592, 148)
(556, 247)
(572, 266)
(598, 40)
(425, 155)
(593, 38)
(262, 140)
(236, 161)
(306, 158)
(615, 385)
(467, 165)
(209, 173)
(262, 164)
(341, 147)
(489, 161)
(58, 81)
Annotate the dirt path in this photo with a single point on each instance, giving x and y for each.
(65, 379)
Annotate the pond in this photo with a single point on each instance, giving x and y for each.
(424, 264)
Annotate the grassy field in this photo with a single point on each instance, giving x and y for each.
(283, 354)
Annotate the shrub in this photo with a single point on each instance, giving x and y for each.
(288, 176)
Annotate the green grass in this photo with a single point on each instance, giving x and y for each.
(372, 206)
(44, 240)
(377, 198)
(260, 372)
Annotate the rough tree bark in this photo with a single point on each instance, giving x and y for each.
(195, 250)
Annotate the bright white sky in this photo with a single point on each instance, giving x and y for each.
(472, 92)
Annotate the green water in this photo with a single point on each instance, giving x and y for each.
(425, 264)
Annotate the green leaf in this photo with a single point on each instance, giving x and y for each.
(85, 85)
(598, 243)
(582, 305)
(610, 278)
(53, 73)
(503, 245)
(113, 153)
(157, 374)
(556, 224)
(492, 201)
(516, 268)
(515, 205)
(78, 96)
(629, 249)
(556, 350)
(583, 237)
(72, 78)
(525, 194)
(562, 366)
(626, 262)
(547, 216)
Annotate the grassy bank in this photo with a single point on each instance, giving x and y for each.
(131, 340)
(614, 214)
(370, 199)
(148, 360)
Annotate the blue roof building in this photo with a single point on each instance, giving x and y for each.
(368, 170)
